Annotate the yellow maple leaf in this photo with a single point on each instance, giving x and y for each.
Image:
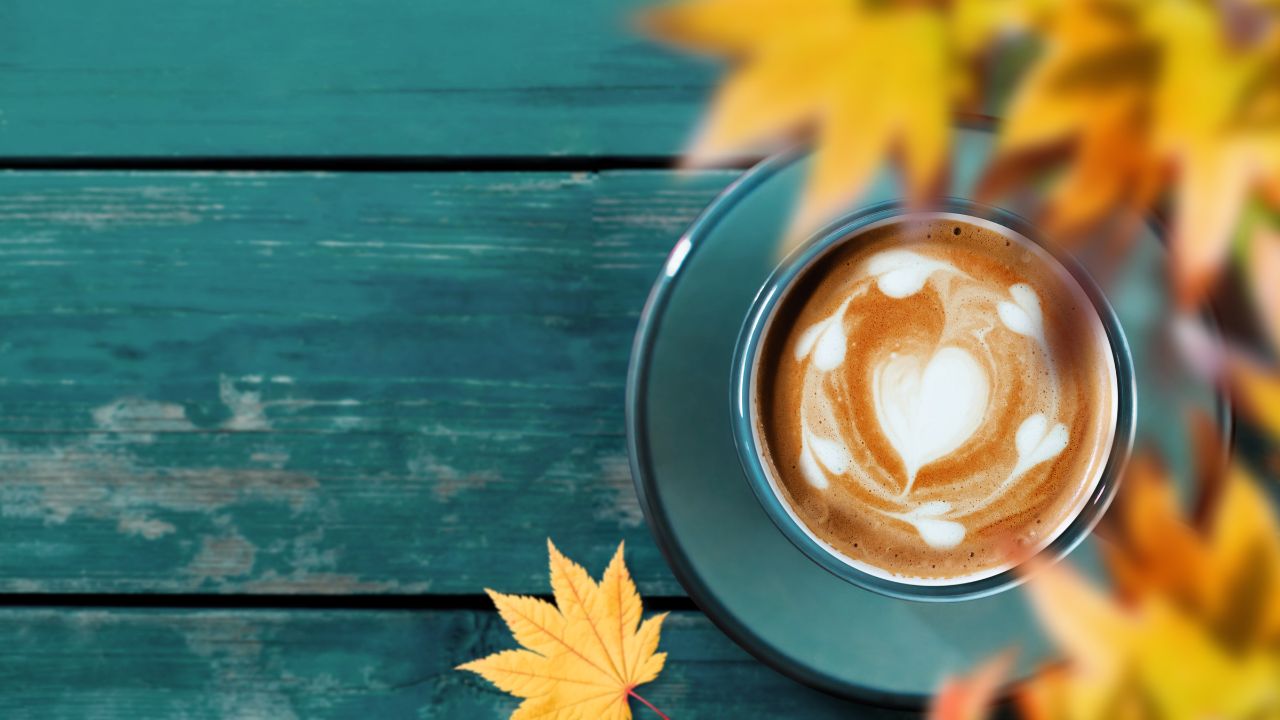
(584, 656)
(865, 79)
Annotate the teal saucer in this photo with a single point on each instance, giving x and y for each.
(731, 559)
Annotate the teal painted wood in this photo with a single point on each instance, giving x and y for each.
(279, 383)
(333, 77)
(121, 665)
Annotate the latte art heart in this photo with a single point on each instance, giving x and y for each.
(928, 410)
(925, 407)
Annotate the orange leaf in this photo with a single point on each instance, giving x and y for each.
(972, 696)
(1101, 179)
(1157, 550)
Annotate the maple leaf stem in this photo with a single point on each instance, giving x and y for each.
(648, 704)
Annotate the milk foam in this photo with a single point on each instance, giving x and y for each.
(929, 400)
(928, 412)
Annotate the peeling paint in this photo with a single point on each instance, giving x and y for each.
(274, 458)
(148, 528)
(621, 504)
(100, 476)
(312, 563)
(222, 557)
(447, 482)
(234, 649)
(139, 415)
(246, 406)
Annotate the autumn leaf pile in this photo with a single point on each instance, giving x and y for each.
(583, 657)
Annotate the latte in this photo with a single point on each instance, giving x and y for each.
(934, 395)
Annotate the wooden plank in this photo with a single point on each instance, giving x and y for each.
(281, 383)
(125, 664)
(332, 77)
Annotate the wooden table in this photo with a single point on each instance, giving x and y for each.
(316, 316)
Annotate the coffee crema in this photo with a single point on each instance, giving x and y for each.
(934, 395)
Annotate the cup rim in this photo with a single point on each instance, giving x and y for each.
(746, 351)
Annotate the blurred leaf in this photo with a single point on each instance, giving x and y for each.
(1228, 574)
(1262, 266)
(865, 80)
(972, 696)
(1257, 389)
(1187, 673)
(1245, 553)
(1108, 67)
(1155, 95)
(1091, 630)
(1157, 550)
(1195, 632)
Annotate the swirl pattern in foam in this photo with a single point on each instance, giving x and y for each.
(933, 393)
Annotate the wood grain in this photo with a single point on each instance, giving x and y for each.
(333, 77)
(281, 383)
(125, 664)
